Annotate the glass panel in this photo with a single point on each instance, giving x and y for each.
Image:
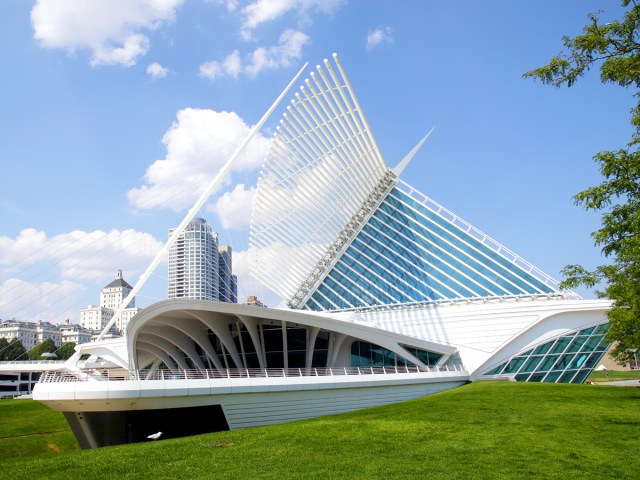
(522, 377)
(272, 338)
(576, 344)
(547, 363)
(514, 365)
(592, 343)
(567, 376)
(537, 377)
(542, 349)
(561, 344)
(581, 376)
(579, 360)
(496, 371)
(602, 328)
(531, 364)
(297, 359)
(551, 377)
(564, 361)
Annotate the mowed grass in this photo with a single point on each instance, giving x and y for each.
(481, 430)
(613, 375)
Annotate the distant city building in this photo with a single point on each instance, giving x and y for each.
(253, 300)
(198, 268)
(227, 286)
(74, 333)
(96, 317)
(30, 334)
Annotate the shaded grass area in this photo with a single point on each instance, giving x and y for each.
(482, 430)
(614, 375)
(28, 428)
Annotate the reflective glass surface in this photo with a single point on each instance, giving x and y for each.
(566, 359)
(365, 354)
(408, 253)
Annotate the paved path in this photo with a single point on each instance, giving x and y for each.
(621, 383)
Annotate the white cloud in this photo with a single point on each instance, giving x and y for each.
(289, 48)
(157, 71)
(78, 254)
(262, 11)
(281, 55)
(47, 276)
(52, 302)
(109, 29)
(247, 284)
(378, 36)
(229, 67)
(230, 4)
(234, 207)
(198, 144)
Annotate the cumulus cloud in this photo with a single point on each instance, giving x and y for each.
(378, 36)
(288, 49)
(52, 302)
(234, 207)
(109, 29)
(198, 144)
(230, 4)
(31, 260)
(230, 66)
(262, 11)
(157, 71)
(247, 284)
(77, 254)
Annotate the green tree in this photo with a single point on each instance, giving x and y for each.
(4, 345)
(614, 47)
(66, 350)
(44, 347)
(14, 350)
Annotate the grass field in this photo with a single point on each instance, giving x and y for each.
(612, 375)
(482, 430)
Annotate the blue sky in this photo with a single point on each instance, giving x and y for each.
(115, 113)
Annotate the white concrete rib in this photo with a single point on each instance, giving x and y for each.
(322, 166)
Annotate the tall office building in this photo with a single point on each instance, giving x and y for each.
(198, 268)
(228, 290)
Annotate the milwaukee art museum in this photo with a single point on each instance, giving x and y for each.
(389, 296)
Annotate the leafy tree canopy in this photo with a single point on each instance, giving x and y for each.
(614, 47)
(10, 351)
(66, 350)
(45, 347)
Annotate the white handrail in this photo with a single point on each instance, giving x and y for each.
(169, 375)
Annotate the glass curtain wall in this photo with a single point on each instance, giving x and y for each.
(566, 359)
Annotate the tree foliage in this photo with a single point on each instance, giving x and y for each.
(47, 346)
(10, 351)
(66, 350)
(614, 47)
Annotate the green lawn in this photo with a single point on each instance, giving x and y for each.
(482, 430)
(612, 375)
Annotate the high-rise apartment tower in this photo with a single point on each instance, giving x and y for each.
(198, 268)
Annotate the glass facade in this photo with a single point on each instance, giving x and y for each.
(366, 354)
(566, 359)
(408, 252)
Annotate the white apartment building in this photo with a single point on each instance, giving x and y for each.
(96, 317)
(30, 334)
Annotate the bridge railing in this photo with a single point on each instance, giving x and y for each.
(169, 375)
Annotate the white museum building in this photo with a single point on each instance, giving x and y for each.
(389, 296)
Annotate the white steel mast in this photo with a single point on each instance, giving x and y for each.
(194, 209)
